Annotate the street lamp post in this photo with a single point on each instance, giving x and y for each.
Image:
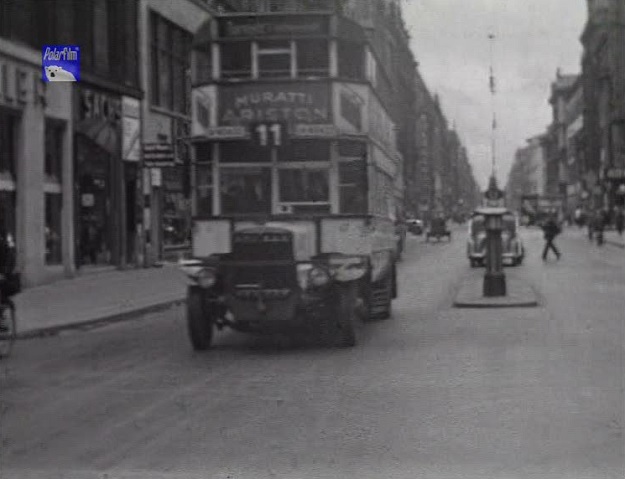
(494, 277)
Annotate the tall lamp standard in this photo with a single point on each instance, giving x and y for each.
(494, 277)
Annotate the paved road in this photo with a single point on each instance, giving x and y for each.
(434, 392)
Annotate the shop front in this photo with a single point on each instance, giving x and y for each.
(35, 164)
(105, 184)
(166, 162)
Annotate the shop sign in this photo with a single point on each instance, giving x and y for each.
(131, 126)
(315, 131)
(274, 25)
(157, 155)
(615, 173)
(98, 105)
(20, 85)
(290, 102)
(226, 132)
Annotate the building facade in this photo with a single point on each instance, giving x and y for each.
(166, 32)
(527, 176)
(603, 66)
(36, 163)
(72, 203)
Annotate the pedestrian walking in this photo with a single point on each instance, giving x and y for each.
(619, 221)
(601, 221)
(551, 229)
(9, 280)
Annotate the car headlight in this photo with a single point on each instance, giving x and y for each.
(206, 277)
(318, 277)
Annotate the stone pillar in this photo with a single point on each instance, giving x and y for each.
(30, 196)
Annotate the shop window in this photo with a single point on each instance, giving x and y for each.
(245, 191)
(236, 60)
(7, 212)
(305, 150)
(170, 61)
(304, 186)
(351, 60)
(313, 58)
(54, 152)
(175, 209)
(275, 59)
(243, 152)
(352, 187)
(8, 132)
(54, 132)
(53, 231)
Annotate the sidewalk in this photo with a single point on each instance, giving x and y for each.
(613, 238)
(94, 298)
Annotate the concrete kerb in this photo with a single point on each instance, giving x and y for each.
(615, 243)
(95, 322)
(521, 294)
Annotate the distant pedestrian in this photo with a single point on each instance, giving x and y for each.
(9, 279)
(619, 220)
(551, 229)
(601, 221)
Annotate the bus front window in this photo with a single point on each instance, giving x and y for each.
(245, 191)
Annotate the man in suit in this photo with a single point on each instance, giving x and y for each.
(551, 229)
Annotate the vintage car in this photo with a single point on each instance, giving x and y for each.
(415, 226)
(438, 229)
(513, 249)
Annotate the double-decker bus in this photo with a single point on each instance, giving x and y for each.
(295, 176)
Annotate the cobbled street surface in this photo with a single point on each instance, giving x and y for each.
(434, 392)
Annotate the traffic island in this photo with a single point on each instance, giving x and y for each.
(519, 294)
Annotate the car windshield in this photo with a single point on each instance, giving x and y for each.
(509, 224)
(477, 225)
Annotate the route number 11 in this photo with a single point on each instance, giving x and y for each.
(269, 135)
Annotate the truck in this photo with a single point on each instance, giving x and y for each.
(295, 177)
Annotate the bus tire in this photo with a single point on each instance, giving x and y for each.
(346, 315)
(200, 323)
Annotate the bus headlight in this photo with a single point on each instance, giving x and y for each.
(319, 277)
(206, 277)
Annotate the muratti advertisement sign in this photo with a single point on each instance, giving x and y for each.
(283, 25)
(291, 103)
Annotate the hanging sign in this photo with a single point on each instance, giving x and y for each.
(158, 155)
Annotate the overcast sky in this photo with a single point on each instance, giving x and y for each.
(533, 39)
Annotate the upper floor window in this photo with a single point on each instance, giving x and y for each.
(268, 59)
(275, 59)
(203, 63)
(236, 60)
(351, 60)
(313, 58)
(170, 47)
